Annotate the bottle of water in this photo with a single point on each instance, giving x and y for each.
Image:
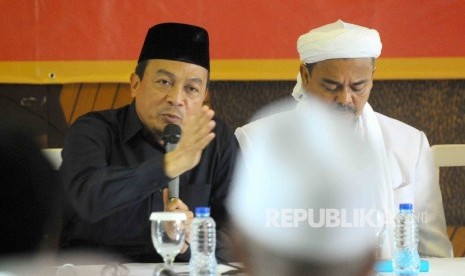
(406, 259)
(203, 243)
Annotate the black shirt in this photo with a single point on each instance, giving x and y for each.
(113, 175)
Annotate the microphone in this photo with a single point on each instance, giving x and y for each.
(171, 136)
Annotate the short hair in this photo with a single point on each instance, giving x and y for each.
(140, 68)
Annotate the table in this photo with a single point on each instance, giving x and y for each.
(137, 269)
(442, 267)
(438, 267)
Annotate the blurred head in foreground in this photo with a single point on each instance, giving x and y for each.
(302, 202)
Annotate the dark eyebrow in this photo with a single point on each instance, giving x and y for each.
(172, 76)
(360, 82)
(197, 80)
(329, 81)
(325, 80)
(164, 72)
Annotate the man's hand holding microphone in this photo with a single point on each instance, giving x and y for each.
(183, 152)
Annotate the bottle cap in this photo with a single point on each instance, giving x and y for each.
(202, 211)
(406, 207)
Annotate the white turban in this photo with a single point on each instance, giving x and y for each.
(336, 40)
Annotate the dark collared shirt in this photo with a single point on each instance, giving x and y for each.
(113, 176)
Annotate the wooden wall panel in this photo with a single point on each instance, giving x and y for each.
(105, 96)
(123, 95)
(457, 237)
(78, 99)
(451, 231)
(68, 98)
(85, 100)
(458, 242)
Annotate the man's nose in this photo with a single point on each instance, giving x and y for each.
(344, 96)
(176, 96)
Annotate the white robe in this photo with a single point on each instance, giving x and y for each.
(409, 171)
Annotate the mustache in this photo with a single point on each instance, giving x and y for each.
(172, 110)
(345, 108)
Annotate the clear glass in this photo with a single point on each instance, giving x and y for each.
(168, 238)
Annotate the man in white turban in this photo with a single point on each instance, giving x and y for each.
(338, 64)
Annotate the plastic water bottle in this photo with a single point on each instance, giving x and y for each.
(203, 243)
(406, 259)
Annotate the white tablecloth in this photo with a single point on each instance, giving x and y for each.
(443, 267)
(438, 267)
(141, 269)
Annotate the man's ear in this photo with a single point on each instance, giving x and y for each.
(206, 100)
(134, 84)
(304, 74)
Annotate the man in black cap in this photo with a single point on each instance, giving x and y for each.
(116, 170)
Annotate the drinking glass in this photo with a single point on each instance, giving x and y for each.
(168, 234)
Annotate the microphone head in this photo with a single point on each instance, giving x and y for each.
(172, 133)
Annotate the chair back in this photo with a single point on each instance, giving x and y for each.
(54, 156)
(452, 155)
(449, 155)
